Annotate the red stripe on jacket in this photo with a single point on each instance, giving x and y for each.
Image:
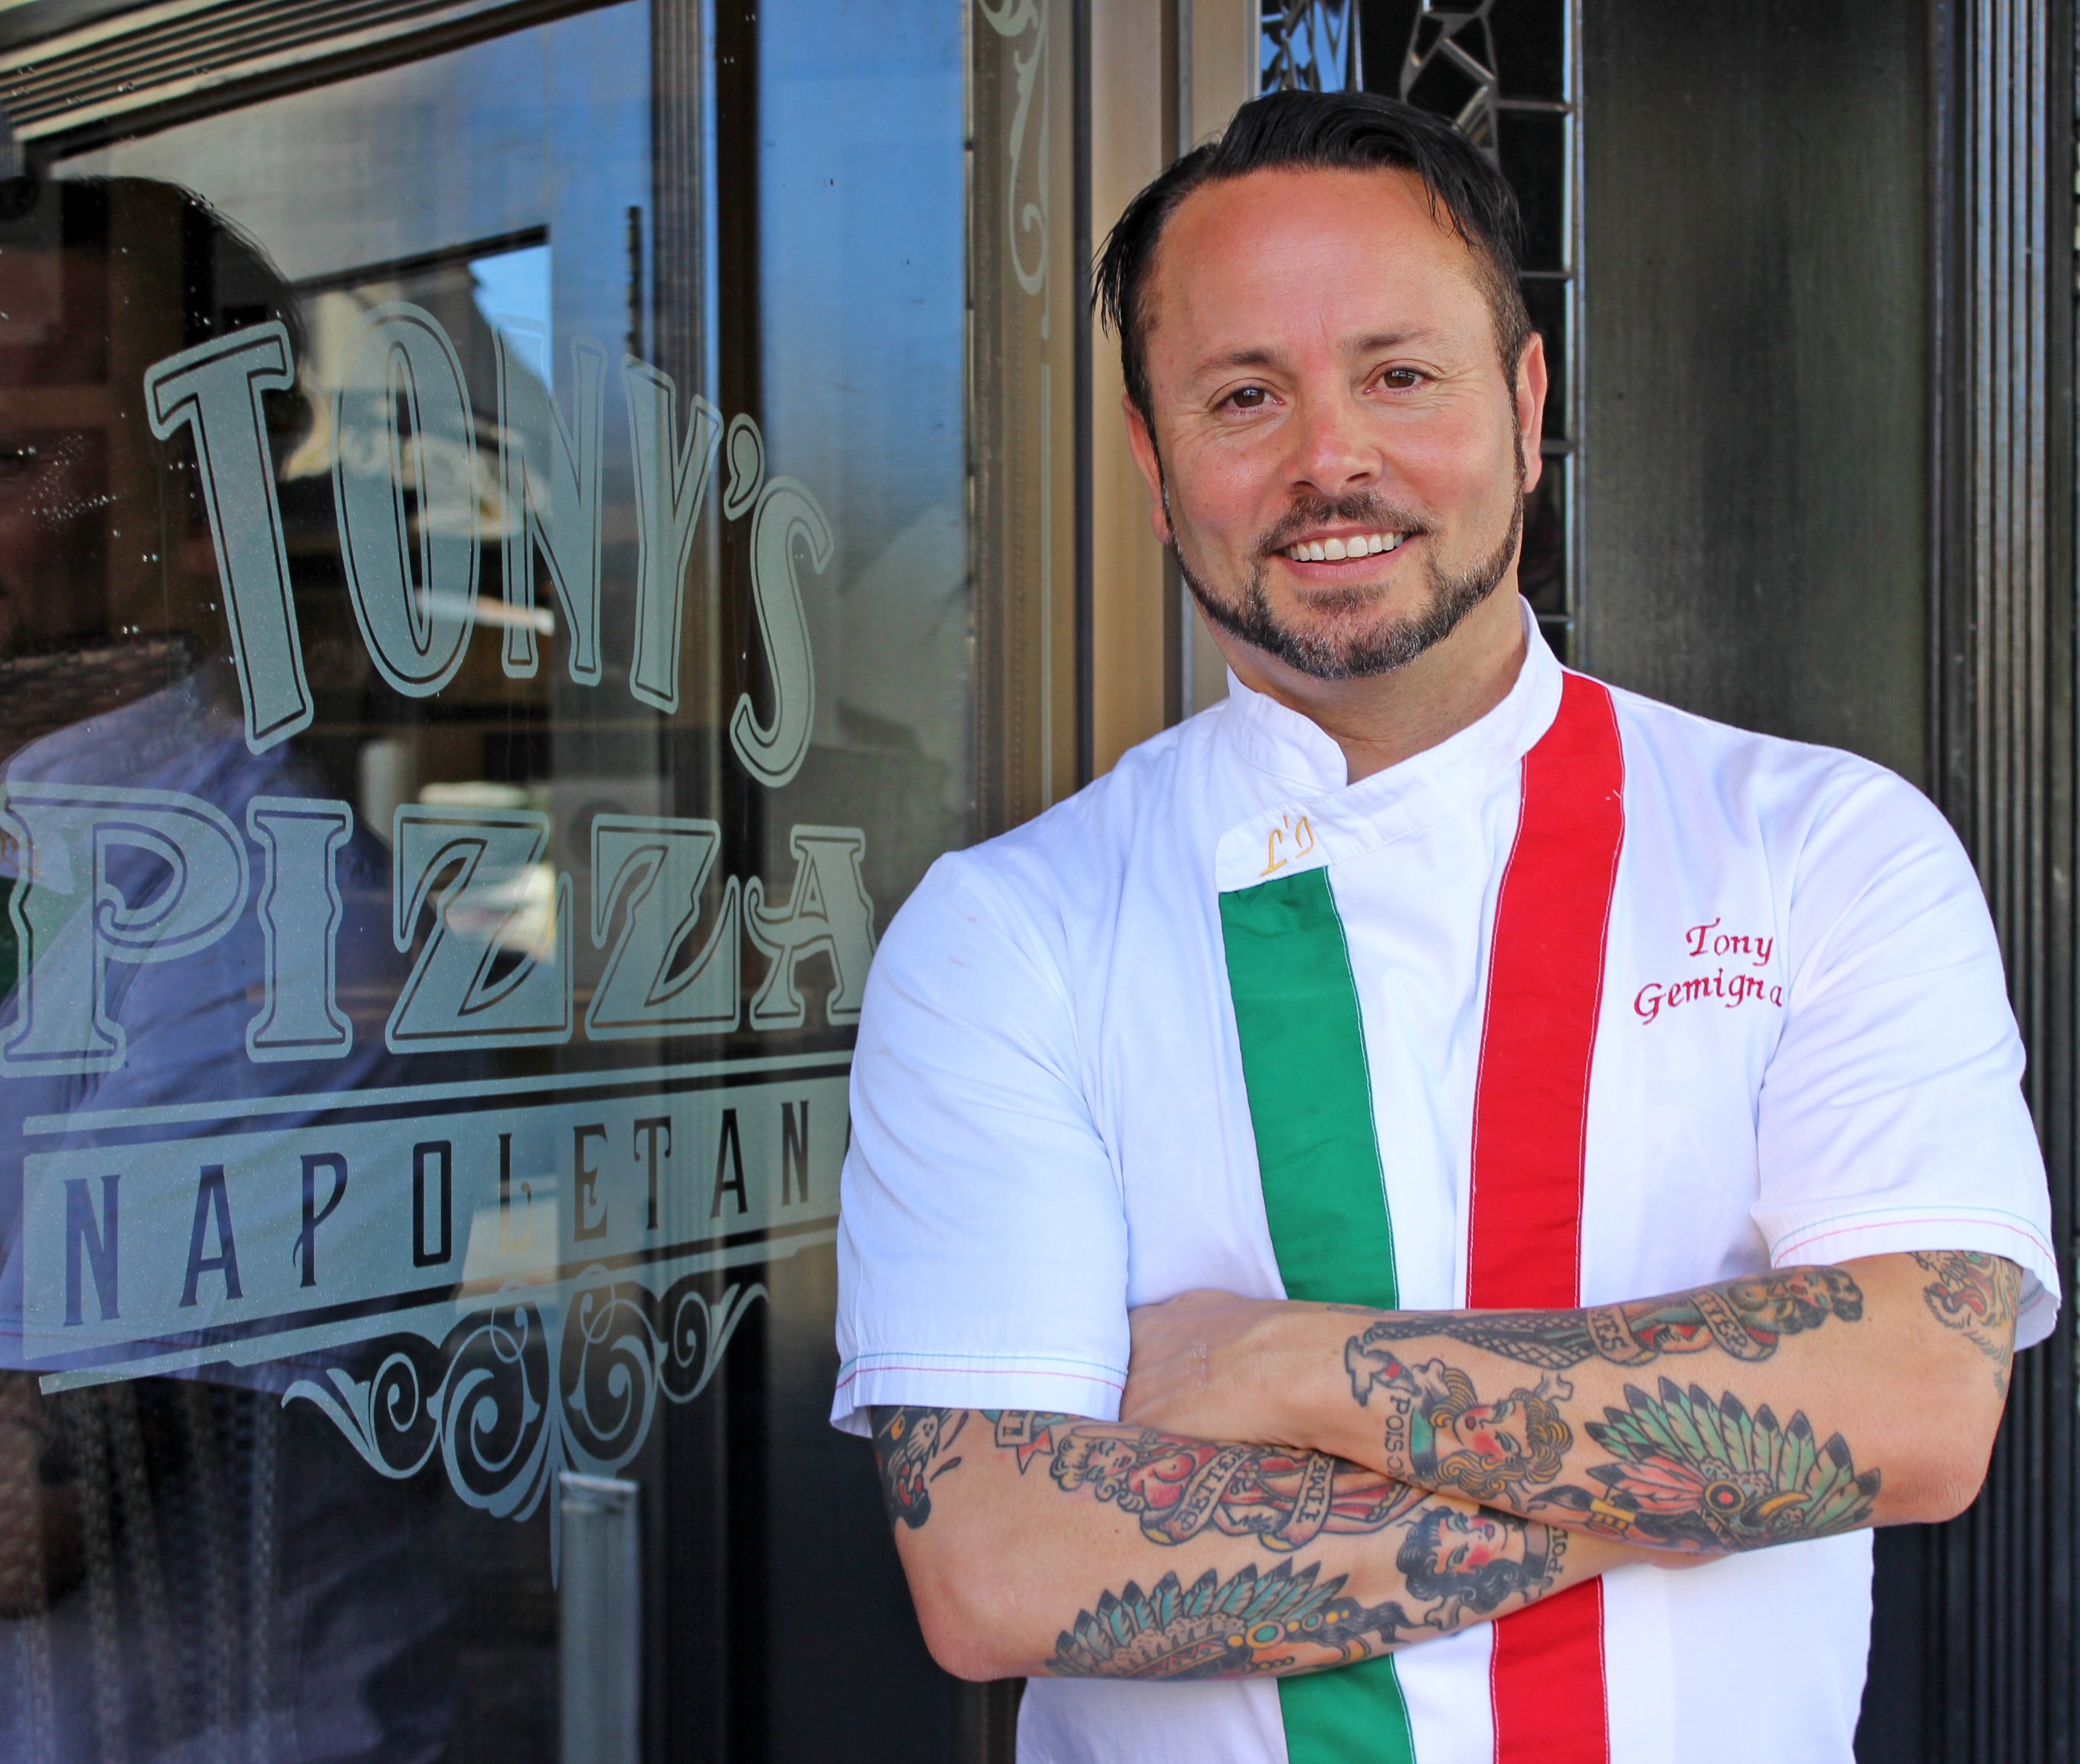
(1545, 984)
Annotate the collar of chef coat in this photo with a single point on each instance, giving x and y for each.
(1325, 820)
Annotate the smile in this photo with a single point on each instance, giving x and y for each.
(1336, 550)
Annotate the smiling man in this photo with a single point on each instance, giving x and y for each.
(1265, 1163)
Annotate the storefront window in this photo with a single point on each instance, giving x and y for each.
(498, 607)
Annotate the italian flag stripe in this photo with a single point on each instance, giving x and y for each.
(1297, 1015)
(1303, 1062)
(1546, 982)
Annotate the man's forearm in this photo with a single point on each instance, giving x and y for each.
(1791, 1404)
(1041, 1544)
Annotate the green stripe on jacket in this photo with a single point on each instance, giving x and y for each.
(1303, 1063)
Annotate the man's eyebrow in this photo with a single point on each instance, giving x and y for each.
(1371, 343)
(1238, 358)
(1374, 342)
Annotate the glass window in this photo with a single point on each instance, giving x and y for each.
(501, 599)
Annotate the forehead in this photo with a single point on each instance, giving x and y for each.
(1282, 255)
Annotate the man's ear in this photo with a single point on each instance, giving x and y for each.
(1145, 456)
(1530, 394)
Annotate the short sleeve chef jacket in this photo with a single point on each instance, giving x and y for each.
(1803, 1053)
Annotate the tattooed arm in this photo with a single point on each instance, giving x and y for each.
(1788, 1405)
(1047, 1544)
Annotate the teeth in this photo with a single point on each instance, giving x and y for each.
(1334, 550)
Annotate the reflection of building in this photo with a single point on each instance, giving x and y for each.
(709, 684)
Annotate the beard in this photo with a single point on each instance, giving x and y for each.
(1348, 645)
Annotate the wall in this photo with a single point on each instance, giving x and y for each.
(1755, 363)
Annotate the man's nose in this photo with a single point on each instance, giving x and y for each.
(1334, 454)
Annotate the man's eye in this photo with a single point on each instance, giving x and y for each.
(1400, 379)
(1247, 397)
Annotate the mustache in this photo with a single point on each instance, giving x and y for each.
(1366, 509)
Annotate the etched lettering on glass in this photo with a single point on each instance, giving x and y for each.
(545, 1247)
(828, 913)
(129, 876)
(214, 392)
(300, 1016)
(660, 868)
(496, 970)
(551, 474)
(672, 479)
(406, 501)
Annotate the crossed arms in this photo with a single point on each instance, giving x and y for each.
(1297, 1486)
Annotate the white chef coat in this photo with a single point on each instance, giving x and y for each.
(1803, 1053)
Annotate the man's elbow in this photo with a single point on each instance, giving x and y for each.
(967, 1612)
(1942, 1476)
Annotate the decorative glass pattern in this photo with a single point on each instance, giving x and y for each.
(1448, 66)
(1309, 46)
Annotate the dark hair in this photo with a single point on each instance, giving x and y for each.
(1321, 132)
(198, 262)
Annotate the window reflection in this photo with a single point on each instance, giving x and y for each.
(153, 1598)
(488, 630)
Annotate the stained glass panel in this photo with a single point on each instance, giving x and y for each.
(1308, 46)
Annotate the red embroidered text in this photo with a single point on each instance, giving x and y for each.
(1730, 985)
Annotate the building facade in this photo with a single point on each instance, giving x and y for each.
(525, 527)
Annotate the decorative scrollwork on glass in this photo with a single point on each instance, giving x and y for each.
(506, 1408)
(1024, 22)
(1309, 46)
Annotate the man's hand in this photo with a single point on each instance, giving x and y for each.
(1790, 1405)
(1210, 1359)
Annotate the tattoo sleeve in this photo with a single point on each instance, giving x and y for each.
(1179, 1489)
(1744, 1318)
(1681, 1470)
(910, 1448)
(1456, 1564)
(1690, 1474)
(1975, 1295)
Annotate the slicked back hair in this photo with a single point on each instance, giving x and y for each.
(1321, 132)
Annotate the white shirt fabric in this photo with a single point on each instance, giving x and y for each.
(1049, 1126)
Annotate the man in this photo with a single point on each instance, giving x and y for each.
(186, 1570)
(1365, 1053)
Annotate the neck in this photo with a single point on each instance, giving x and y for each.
(1381, 721)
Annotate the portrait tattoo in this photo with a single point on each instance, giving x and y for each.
(1439, 1433)
(1690, 1474)
(1975, 1295)
(1458, 1561)
(909, 1452)
(1745, 1318)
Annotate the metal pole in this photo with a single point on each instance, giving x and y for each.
(600, 1619)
